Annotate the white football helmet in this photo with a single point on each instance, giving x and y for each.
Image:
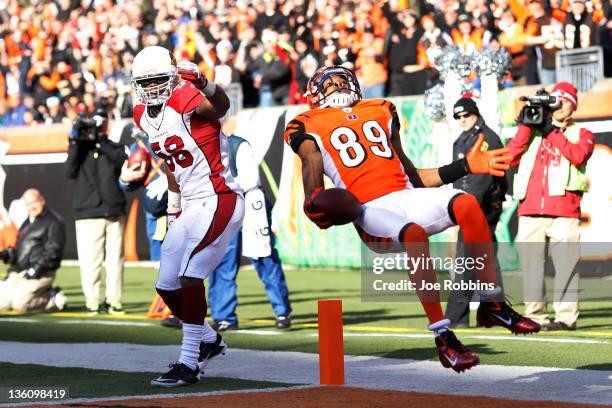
(154, 74)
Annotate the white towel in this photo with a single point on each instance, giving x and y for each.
(255, 227)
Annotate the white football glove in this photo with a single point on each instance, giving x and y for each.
(156, 188)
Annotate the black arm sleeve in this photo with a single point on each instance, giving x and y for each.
(296, 134)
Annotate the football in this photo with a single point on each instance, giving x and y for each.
(340, 205)
(139, 155)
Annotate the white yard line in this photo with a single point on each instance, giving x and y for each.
(544, 383)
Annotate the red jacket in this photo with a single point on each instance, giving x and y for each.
(537, 200)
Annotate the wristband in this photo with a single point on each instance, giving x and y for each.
(453, 171)
(174, 202)
(209, 89)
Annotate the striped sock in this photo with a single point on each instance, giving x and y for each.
(190, 349)
(208, 335)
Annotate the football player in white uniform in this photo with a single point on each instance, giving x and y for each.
(181, 119)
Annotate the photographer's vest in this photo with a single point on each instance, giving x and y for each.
(563, 177)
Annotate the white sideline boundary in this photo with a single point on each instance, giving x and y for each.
(508, 382)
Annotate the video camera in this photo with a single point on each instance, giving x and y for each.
(533, 113)
(90, 128)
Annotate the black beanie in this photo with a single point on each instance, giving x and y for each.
(465, 105)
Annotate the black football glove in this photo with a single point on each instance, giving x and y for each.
(547, 126)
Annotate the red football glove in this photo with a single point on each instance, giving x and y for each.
(494, 162)
(190, 72)
(313, 214)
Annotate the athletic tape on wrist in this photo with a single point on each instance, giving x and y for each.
(174, 202)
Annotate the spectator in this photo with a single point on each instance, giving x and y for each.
(272, 74)
(54, 111)
(34, 260)
(370, 67)
(14, 116)
(469, 38)
(550, 183)
(406, 75)
(579, 29)
(99, 207)
(544, 37)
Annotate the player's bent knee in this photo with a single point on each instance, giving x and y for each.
(412, 232)
(462, 207)
(187, 281)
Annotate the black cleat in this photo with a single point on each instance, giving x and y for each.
(223, 325)
(283, 322)
(178, 376)
(208, 351)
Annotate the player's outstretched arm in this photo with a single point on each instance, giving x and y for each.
(312, 167)
(312, 177)
(216, 103)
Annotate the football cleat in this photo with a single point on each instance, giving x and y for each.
(179, 375)
(453, 354)
(208, 351)
(283, 322)
(502, 314)
(223, 325)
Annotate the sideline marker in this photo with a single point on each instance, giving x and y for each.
(331, 343)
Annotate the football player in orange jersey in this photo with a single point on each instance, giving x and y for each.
(356, 143)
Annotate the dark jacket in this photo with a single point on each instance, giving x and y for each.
(96, 170)
(40, 244)
(489, 191)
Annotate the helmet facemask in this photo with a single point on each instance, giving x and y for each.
(157, 93)
(339, 98)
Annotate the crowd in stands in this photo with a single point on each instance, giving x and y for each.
(58, 57)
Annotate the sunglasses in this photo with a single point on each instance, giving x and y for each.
(465, 115)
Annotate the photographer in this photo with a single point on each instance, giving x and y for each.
(99, 205)
(34, 260)
(553, 151)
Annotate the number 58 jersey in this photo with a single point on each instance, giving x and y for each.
(355, 143)
(194, 148)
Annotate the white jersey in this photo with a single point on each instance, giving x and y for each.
(194, 148)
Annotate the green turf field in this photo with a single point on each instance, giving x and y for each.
(103, 383)
(389, 329)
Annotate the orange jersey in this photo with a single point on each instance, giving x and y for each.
(356, 146)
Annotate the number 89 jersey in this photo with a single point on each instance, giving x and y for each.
(355, 143)
(194, 148)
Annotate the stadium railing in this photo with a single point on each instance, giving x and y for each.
(582, 67)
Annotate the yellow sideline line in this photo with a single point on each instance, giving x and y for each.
(381, 329)
(352, 328)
